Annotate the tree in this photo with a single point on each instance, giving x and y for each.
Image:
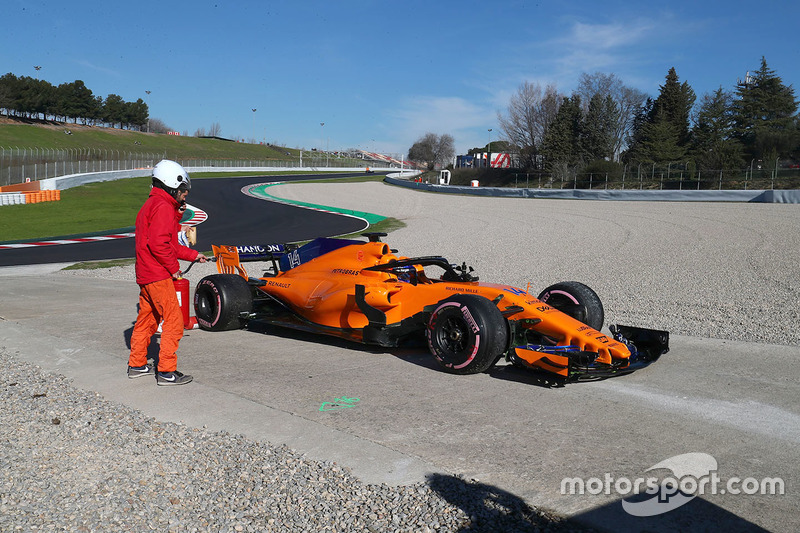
(714, 146)
(9, 91)
(114, 110)
(660, 132)
(764, 115)
(41, 96)
(597, 141)
(661, 141)
(75, 101)
(432, 150)
(627, 99)
(136, 114)
(158, 126)
(637, 139)
(528, 117)
(561, 148)
(32, 97)
(674, 104)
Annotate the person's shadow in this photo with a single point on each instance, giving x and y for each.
(490, 509)
(155, 341)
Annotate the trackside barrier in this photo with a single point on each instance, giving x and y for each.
(42, 196)
(75, 180)
(12, 198)
(778, 196)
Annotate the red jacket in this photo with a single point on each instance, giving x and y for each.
(157, 248)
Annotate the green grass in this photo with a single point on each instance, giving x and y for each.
(387, 225)
(91, 208)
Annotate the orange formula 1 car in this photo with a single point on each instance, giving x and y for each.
(364, 292)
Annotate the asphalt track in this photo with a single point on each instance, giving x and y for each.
(232, 215)
(512, 431)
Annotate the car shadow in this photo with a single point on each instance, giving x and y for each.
(509, 372)
(491, 509)
(414, 351)
(272, 330)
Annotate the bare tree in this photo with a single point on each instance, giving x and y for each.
(529, 115)
(433, 150)
(628, 100)
(158, 126)
(215, 130)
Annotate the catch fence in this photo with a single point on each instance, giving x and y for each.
(757, 177)
(20, 165)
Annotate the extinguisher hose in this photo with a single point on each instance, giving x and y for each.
(195, 261)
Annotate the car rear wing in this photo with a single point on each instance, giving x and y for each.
(230, 258)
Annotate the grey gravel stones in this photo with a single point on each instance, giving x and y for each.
(72, 461)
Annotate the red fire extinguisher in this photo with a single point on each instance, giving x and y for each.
(182, 291)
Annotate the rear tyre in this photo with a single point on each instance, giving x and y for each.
(220, 301)
(467, 334)
(576, 300)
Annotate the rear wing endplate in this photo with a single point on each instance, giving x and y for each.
(230, 258)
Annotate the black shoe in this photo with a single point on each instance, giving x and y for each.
(139, 371)
(172, 378)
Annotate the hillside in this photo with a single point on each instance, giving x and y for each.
(59, 136)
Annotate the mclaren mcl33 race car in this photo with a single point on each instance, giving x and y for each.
(364, 292)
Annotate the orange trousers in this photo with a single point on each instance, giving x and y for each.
(157, 302)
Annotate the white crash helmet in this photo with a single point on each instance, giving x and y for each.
(172, 175)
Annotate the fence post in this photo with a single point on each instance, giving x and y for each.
(776, 172)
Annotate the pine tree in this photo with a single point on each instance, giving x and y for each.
(662, 141)
(661, 129)
(714, 146)
(561, 143)
(764, 115)
(674, 104)
(637, 139)
(597, 141)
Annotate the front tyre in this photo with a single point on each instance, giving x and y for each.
(467, 334)
(220, 301)
(576, 300)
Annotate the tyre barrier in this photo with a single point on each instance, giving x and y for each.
(14, 198)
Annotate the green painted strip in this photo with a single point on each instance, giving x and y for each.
(369, 217)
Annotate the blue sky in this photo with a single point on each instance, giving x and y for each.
(380, 74)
